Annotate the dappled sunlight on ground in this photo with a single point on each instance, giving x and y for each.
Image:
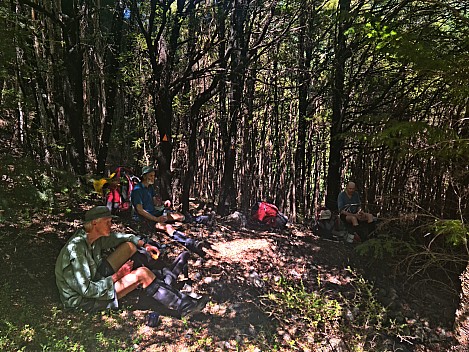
(242, 267)
(236, 249)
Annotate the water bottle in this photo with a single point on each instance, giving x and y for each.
(153, 319)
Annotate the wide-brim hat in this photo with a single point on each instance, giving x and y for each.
(325, 214)
(147, 169)
(98, 212)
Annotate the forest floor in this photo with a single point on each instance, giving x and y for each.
(245, 274)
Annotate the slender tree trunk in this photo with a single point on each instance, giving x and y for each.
(304, 62)
(73, 89)
(237, 77)
(164, 113)
(338, 108)
(111, 70)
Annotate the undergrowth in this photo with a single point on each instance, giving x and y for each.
(27, 188)
(28, 327)
(356, 322)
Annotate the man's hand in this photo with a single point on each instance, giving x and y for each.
(154, 251)
(167, 203)
(123, 270)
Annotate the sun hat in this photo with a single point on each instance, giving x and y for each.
(325, 214)
(98, 212)
(147, 169)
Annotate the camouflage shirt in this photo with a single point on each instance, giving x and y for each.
(77, 264)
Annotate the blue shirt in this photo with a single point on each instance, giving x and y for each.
(343, 200)
(144, 196)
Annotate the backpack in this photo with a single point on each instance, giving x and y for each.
(268, 215)
(117, 190)
(324, 228)
(327, 225)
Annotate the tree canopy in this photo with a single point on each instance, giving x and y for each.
(242, 100)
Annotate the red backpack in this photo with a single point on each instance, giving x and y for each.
(268, 214)
(118, 190)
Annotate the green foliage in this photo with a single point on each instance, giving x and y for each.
(371, 312)
(27, 327)
(455, 232)
(357, 319)
(308, 306)
(384, 246)
(26, 187)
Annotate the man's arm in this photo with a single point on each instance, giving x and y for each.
(146, 215)
(78, 277)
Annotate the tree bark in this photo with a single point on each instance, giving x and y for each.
(461, 324)
(73, 88)
(111, 70)
(338, 108)
(304, 61)
(227, 198)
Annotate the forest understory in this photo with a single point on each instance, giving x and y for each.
(284, 291)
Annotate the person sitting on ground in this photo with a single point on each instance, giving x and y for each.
(326, 225)
(349, 206)
(88, 280)
(148, 210)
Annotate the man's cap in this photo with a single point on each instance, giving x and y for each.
(147, 169)
(98, 212)
(325, 214)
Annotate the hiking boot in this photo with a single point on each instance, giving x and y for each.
(202, 219)
(352, 238)
(196, 247)
(203, 244)
(199, 248)
(193, 306)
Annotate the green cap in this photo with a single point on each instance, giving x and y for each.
(147, 169)
(98, 212)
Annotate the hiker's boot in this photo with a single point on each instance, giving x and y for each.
(194, 306)
(188, 218)
(185, 305)
(169, 277)
(202, 219)
(180, 264)
(197, 247)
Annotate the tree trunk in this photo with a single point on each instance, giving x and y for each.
(164, 115)
(227, 198)
(338, 109)
(461, 323)
(111, 69)
(73, 88)
(304, 62)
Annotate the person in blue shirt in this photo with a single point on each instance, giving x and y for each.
(349, 205)
(150, 210)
